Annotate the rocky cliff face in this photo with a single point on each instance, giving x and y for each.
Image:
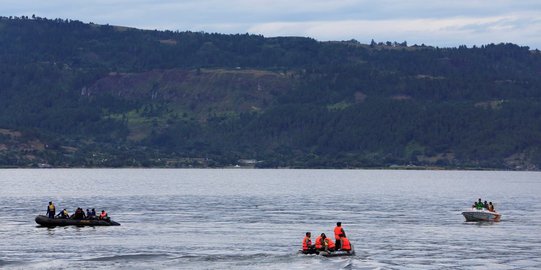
(199, 91)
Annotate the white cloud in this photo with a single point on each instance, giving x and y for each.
(436, 22)
(438, 32)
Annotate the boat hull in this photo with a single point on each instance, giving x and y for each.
(53, 222)
(338, 253)
(481, 215)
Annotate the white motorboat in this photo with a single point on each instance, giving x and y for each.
(475, 214)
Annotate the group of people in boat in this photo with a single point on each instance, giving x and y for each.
(78, 214)
(479, 205)
(324, 243)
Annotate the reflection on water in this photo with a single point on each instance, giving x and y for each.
(246, 219)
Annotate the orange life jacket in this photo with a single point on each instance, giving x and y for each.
(337, 232)
(330, 243)
(103, 214)
(306, 243)
(345, 244)
(319, 243)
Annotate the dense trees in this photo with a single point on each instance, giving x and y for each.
(341, 104)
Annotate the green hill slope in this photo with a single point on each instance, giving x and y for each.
(76, 94)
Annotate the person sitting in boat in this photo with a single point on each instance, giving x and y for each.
(320, 242)
(346, 245)
(63, 214)
(76, 214)
(93, 213)
(79, 214)
(329, 244)
(51, 210)
(479, 205)
(485, 205)
(491, 207)
(307, 247)
(88, 213)
(104, 215)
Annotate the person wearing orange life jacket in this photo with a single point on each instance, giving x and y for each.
(346, 245)
(103, 215)
(329, 244)
(307, 247)
(338, 230)
(51, 209)
(320, 242)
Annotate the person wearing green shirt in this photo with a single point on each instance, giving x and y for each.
(479, 205)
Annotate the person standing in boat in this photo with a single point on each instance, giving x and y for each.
(51, 209)
(307, 247)
(338, 230)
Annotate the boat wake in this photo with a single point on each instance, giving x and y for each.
(234, 257)
(129, 257)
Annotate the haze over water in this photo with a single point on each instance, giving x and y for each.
(250, 219)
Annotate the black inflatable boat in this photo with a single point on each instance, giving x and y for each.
(338, 253)
(53, 222)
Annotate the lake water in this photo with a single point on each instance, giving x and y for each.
(250, 219)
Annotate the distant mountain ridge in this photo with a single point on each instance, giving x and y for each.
(85, 95)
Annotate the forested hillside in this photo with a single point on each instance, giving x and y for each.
(84, 95)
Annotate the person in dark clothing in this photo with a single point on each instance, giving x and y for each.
(51, 209)
(88, 214)
(485, 205)
(93, 213)
(79, 214)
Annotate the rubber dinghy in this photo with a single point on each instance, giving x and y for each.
(475, 215)
(338, 253)
(53, 222)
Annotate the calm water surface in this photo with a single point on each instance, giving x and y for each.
(249, 219)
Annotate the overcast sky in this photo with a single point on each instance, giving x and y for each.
(447, 23)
